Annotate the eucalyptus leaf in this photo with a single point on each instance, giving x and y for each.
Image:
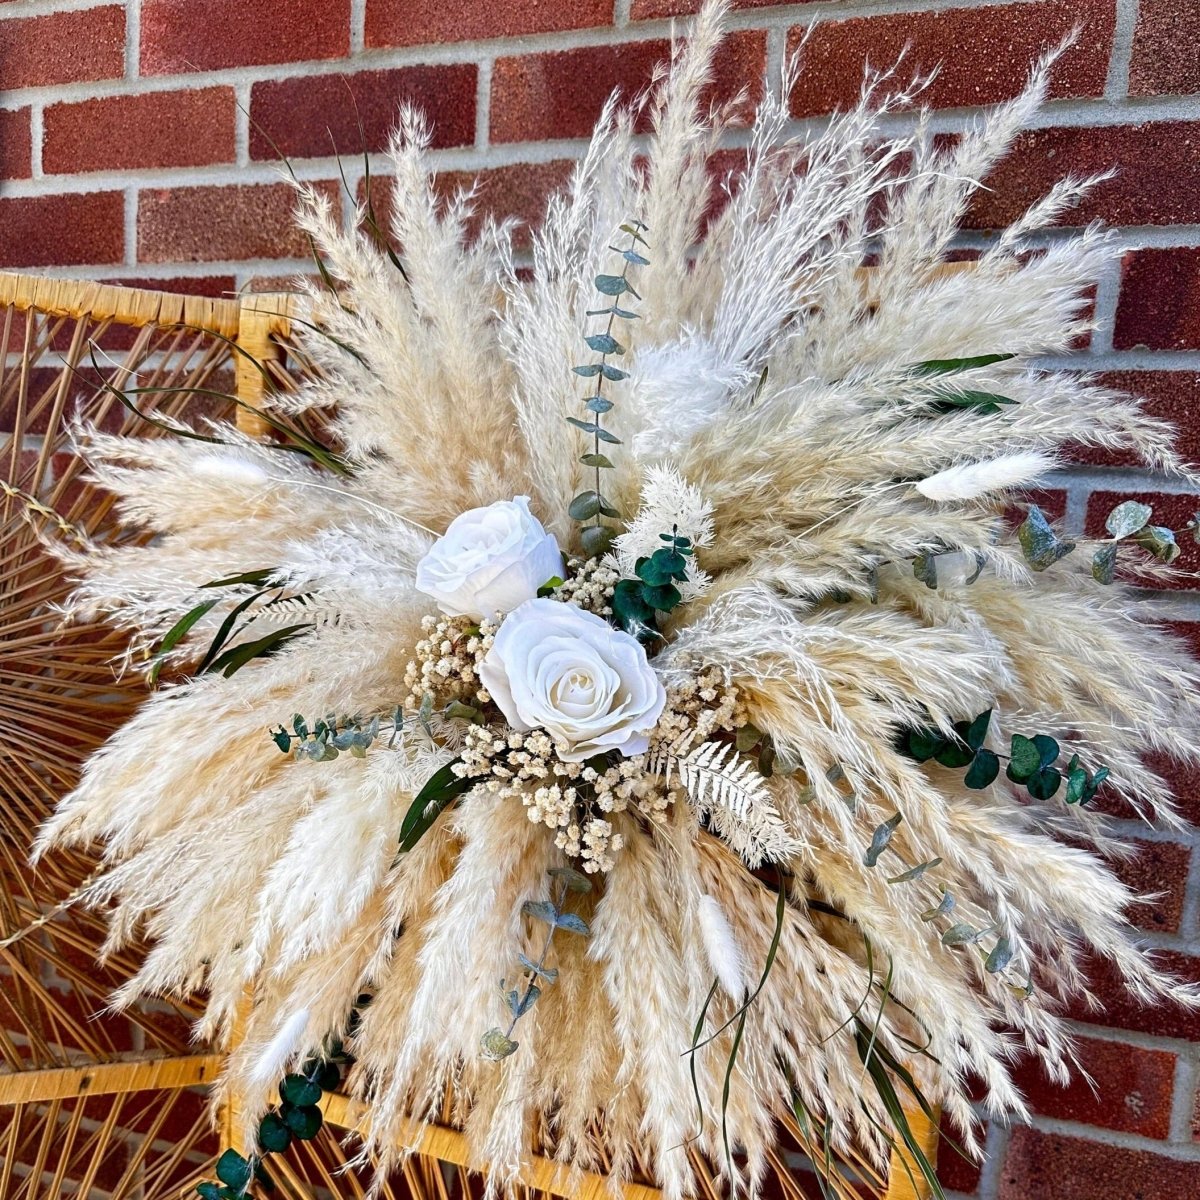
(296, 1089)
(234, 1170)
(1024, 758)
(1127, 517)
(1000, 957)
(273, 1135)
(574, 881)
(549, 974)
(1160, 541)
(612, 285)
(983, 771)
(497, 1045)
(598, 404)
(596, 540)
(915, 872)
(880, 838)
(304, 1122)
(572, 924)
(924, 744)
(961, 934)
(1041, 545)
(944, 906)
(541, 910)
(977, 730)
(596, 460)
(604, 343)
(925, 569)
(1104, 563)
(1044, 783)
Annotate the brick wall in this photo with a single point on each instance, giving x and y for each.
(136, 144)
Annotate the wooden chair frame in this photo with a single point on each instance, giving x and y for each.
(256, 324)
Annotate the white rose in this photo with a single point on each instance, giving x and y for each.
(590, 686)
(489, 560)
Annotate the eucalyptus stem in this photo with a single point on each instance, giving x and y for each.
(533, 976)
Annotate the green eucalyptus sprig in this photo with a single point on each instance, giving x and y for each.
(297, 1117)
(637, 602)
(1128, 522)
(1031, 760)
(591, 505)
(498, 1043)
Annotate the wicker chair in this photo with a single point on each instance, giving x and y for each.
(72, 1089)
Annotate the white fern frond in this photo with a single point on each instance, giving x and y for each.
(729, 790)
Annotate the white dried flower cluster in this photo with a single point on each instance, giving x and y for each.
(575, 799)
(445, 662)
(590, 586)
(698, 707)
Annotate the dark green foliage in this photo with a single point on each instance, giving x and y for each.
(1030, 759)
(440, 790)
(637, 602)
(274, 1137)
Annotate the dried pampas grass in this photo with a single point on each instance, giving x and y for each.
(825, 437)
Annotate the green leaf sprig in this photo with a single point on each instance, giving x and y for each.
(637, 602)
(591, 505)
(297, 1117)
(498, 1043)
(1031, 760)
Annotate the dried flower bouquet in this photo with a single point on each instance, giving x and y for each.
(643, 728)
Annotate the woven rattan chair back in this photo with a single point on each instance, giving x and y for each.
(116, 1106)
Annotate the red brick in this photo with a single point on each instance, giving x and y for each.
(312, 116)
(208, 224)
(519, 192)
(1157, 180)
(54, 231)
(14, 143)
(157, 129)
(1159, 869)
(643, 10)
(954, 1170)
(423, 22)
(1049, 1166)
(1170, 509)
(1132, 1093)
(62, 47)
(560, 95)
(1052, 502)
(984, 53)
(181, 35)
(1165, 59)
(1169, 395)
(1159, 305)
(1184, 780)
(1120, 1010)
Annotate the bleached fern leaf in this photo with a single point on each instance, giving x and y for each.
(729, 790)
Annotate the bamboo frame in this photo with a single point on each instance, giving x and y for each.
(255, 324)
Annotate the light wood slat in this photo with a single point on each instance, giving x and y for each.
(263, 319)
(450, 1146)
(120, 305)
(108, 1079)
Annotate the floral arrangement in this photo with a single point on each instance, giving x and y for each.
(675, 746)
